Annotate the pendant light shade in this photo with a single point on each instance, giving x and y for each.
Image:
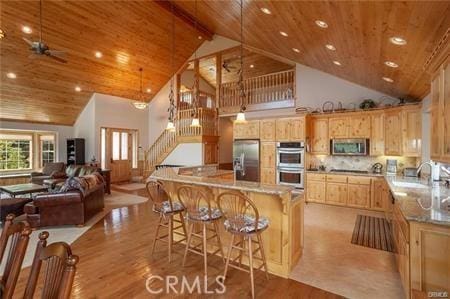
(141, 105)
(240, 118)
(170, 126)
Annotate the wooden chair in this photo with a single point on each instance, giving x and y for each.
(60, 268)
(242, 220)
(201, 214)
(167, 209)
(19, 234)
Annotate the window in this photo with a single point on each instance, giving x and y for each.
(47, 149)
(124, 146)
(116, 146)
(15, 152)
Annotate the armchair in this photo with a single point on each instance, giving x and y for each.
(50, 171)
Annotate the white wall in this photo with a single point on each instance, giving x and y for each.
(187, 79)
(186, 154)
(62, 133)
(426, 127)
(84, 127)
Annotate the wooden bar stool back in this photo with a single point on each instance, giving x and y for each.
(59, 268)
(17, 236)
(167, 209)
(243, 221)
(202, 217)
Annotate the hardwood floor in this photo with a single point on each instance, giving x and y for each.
(115, 262)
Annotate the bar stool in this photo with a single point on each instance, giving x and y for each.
(242, 220)
(167, 209)
(200, 214)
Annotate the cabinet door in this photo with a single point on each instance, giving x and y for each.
(358, 195)
(392, 133)
(377, 196)
(248, 130)
(267, 130)
(268, 154)
(338, 127)
(412, 132)
(435, 145)
(210, 153)
(268, 175)
(282, 129)
(297, 129)
(445, 115)
(315, 191)
(359, 126)
(320, 143)
(377, 134)
(336, 193)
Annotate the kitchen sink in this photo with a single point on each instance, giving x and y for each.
(409, 185)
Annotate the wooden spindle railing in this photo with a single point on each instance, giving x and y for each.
(262, 89)
(186, 100)
(167, 141)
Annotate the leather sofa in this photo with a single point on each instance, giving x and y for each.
(50, 171)
(71, 171)
(65, 208)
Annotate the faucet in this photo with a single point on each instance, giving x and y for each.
(431, 170)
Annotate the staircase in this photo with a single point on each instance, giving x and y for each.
(184, 133)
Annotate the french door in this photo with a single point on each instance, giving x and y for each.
(117, 150)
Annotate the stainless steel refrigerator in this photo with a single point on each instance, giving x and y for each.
(246, 160)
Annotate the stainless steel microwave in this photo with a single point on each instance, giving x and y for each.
(350, 147)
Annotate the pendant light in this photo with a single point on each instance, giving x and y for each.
(195, 120)
(171, 123)
(240, 118)
(141, 105)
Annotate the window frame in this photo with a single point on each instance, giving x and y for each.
(41, 149)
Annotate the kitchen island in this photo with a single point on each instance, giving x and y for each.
(283, 240)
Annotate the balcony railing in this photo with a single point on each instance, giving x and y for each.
(270, 88)
(206, 100)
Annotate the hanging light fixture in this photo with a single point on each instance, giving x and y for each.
(171, 123)
(140, 104)
(195, 120)
(240, 118)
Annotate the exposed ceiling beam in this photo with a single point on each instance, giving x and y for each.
(186, 17)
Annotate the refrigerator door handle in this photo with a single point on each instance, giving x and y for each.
(242, 164)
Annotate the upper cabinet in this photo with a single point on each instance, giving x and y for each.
(290, 129)
(393, 133)
(247, 130)
(445, 114)
(356, 126)
(377, 134)
(267, 129)
(320, 142)
(412, 131)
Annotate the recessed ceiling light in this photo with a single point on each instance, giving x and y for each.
(11, 75)
(77, 88)
(252, 66)
(391, 64)
(200, 37)
(26, 30)
(296, 50)
(2, 34)
(284, 33)
(98, 54)
(321, 24)
(388, 79)
(266, 11)
(337, 62)
(330, 47)
(398, 41)
(149, 90)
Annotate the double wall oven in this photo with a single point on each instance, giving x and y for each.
(291, 163)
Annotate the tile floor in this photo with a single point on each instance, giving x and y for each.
(331, 262)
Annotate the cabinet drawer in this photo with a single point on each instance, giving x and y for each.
(316, 177)
(336, 178)
(358, 180)
(401, 221)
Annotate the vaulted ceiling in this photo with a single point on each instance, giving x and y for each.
(359, 30)
(133, 34)
(129, 34)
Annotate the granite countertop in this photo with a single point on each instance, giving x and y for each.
(421, 203)
(169, 174)
(346, 173)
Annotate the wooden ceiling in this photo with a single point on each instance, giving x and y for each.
(137, 33)
(360, 31)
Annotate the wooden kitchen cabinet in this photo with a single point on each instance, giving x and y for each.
(377, 134)
(393, 133)
(400, 239)
(359, 192)
(315, 187)
(267, 130)
(210, 153)
(378, 195)
(359, 126)
(282, 129)
(320, 142)
(336, 193)
(435, 142)
(290, 129)
(338, 127)
(412, 131)
(247, 130)
(445, 114)
(268, 154)
(268, 176)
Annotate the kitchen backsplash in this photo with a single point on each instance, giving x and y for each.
(358, 163)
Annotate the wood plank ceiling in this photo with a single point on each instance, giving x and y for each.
(128, 34)
(359, 30)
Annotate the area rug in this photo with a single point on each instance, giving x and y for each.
(69, 234)
(130, 186)
(372, 232)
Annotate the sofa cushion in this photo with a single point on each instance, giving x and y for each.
(86, 170)
(83, 184)
(73, 170)
(49, 168)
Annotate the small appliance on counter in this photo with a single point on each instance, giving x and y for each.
(391, 167)
(377, 168)
(410, 172)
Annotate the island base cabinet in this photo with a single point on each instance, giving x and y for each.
(430, 258)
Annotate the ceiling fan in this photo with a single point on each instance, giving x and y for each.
(227, 65)
(40, 48)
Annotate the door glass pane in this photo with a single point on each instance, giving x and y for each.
(116, 146)
(134, 153)
(103, 148)
(124, 146)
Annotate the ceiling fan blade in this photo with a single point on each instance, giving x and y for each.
(60, 54)
(48, 53)
(30, 43)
